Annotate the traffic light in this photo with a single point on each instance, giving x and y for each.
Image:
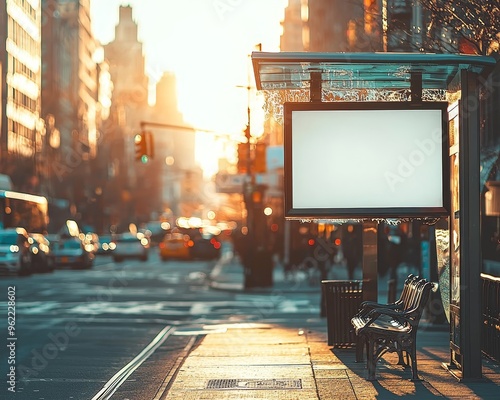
(140, 147)
(144, 148)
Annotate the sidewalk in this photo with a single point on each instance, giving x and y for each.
(284, 361)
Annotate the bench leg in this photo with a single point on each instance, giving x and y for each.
(414, 372)
(401, 360)
(401, 356)
(360, 344)
(371, 359)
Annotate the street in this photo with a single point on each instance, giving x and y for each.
(77, 331)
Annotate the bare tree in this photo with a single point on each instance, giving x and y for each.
(465, 26)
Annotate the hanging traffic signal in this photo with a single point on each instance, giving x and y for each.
(140, 148)
(144, 148)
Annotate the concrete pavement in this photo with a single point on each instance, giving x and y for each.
(293, 360)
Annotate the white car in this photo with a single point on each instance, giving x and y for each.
(106, 245)
(71, 252)
(15, 255)
(129, 245)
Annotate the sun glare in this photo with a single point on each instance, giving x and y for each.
(209, 52)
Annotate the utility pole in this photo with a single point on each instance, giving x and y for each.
(248, 187)
(257, 260)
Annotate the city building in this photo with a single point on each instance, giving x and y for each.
(149, 189)
(353, 26)
(70, 106)
(295, 28)
(349, 26)
(174, 150)
(21, 119)
(123, 189)
(405, 29)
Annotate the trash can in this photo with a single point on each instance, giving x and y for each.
(342, 301)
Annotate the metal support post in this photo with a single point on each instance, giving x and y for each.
(470, 230)
(370, 266)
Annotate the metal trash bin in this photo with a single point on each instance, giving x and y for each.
(342, 299)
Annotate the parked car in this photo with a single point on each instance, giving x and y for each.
(91, 241)
(53, 239)
(129, 245)
(205, 247)
(106, 245)
(15, 253)
(155, 230)
(175, 245)
(42, 257)
(71, 252)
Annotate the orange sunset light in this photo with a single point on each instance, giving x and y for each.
(206, 44)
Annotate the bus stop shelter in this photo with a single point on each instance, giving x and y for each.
(375, 82)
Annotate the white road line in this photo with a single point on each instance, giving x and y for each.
(121, 376)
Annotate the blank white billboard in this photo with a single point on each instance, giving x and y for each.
(366, 159)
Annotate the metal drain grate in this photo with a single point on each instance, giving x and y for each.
(254, 384)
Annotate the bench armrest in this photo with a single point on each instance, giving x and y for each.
(368, 305)
(374, 304)
(407, 316)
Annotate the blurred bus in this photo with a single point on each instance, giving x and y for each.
(18, 209)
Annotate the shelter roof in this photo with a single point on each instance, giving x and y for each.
(292, 70)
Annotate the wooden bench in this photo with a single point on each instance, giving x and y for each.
(383, 328)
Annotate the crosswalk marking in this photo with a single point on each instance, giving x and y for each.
(163, 308)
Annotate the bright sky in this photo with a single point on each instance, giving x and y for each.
(206, 43)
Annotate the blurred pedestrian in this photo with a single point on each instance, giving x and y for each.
(352, 248)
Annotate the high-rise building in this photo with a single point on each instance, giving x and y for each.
(70, 104)
(404, 26)
(175, 149)
(345, 26)
(171, 141)
(154, 185)
(353, 26)
(136, 188)
(127, 64)
(21, 124)
(295, 28)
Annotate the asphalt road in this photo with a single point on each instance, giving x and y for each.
(119, 328)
